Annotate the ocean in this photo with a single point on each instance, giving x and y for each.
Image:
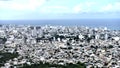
(113, 24)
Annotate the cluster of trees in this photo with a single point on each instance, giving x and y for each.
(3, 40)
(5, 56)
(47, 65)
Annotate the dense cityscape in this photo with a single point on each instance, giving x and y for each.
(26, 45)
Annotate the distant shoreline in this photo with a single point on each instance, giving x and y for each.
(113, 24)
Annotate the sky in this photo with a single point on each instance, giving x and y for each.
(58, 9)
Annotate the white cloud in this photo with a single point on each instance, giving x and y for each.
(115, 7)
(55, 9)
(21, 4)
(107, 7)
(91, 7)
(89, 4)
(83, 7)
(77, 8)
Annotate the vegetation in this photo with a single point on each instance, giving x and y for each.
(6, 56)
(110, 46)
(47, 65)
(3, 40)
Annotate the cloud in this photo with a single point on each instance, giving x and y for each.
(18, 8)
(78, 9)
(96, 7)
(55, 9)
(83, 7)
(107, 7)
(21, 7)
(115, 7)
(21, 4)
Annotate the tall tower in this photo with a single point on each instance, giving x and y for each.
(97, 36)
(106, 36)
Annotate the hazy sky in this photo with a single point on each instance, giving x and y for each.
(58, 9)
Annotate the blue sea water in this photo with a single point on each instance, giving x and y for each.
(110, 23)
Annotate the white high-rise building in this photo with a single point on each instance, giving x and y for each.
(97, 36)
(106, 36)
(81, 36)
